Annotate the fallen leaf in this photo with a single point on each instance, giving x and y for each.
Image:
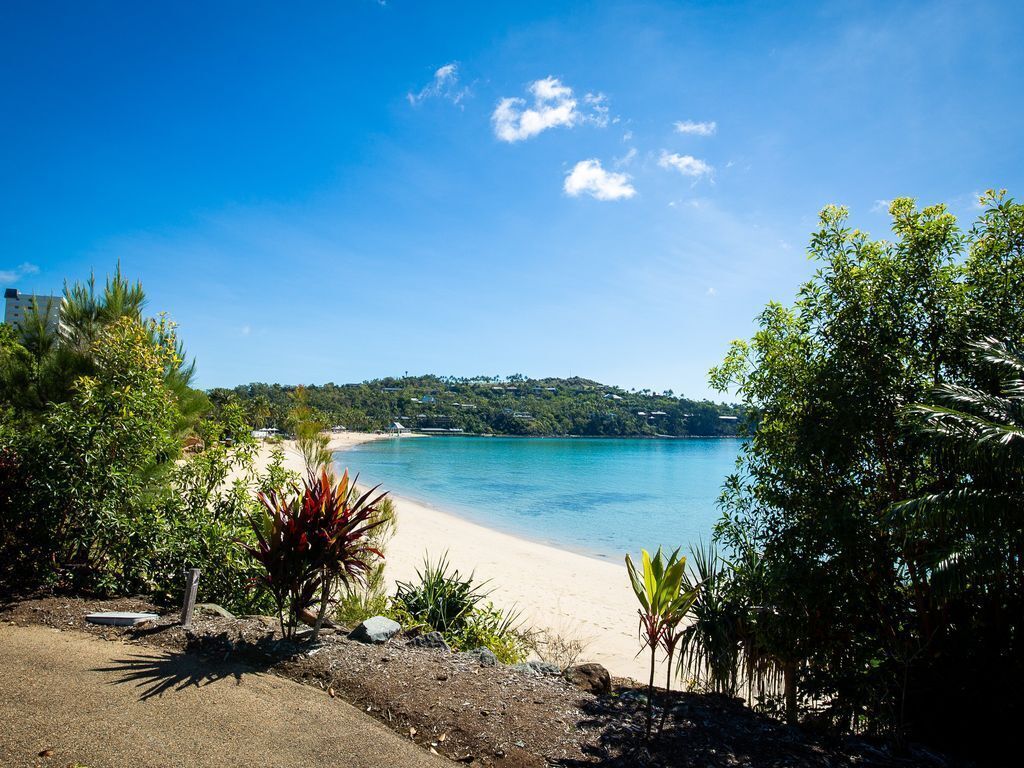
(442, 737)
(412, 732)
(330, 692)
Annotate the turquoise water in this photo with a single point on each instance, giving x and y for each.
(603, 497)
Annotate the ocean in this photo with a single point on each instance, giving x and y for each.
(603, 497)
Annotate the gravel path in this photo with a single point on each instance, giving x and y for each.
(98, 703)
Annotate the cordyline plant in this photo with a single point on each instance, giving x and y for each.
(663, 604)
(311, 541)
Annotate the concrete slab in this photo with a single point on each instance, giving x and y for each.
(120, 618)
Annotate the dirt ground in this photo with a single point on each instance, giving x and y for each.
(450, 704)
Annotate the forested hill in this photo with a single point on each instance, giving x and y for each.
(508, 406)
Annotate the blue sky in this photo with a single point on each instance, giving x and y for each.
(357, 189)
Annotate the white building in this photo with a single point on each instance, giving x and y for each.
(19, 305)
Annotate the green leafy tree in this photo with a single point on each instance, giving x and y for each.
(841, 592)
(96, 461)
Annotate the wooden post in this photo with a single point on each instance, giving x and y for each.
(191, 587)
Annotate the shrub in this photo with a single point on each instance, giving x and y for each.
(709, 646)
(359, 600)
(562, 649)
(309, 541)
(91, 467)
(444, 601)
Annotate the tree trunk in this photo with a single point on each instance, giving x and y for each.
(789, 684)
(650, 696)
(667, 697)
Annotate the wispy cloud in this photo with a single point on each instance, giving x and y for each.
(685, 164)
(588, 177)
(444, 85)
(554, 105)
(696, 129)
(14, 275)
(598, 106)
(626, 159)
(881, 206)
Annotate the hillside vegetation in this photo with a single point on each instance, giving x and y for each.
(490, 405)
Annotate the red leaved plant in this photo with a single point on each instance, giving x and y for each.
(311, 541)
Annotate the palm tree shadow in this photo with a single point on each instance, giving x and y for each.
(163, 671)
(158, 673)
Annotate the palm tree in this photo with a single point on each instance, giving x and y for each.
(965, 535)
(971, 520)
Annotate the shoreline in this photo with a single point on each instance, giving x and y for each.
(560, 590)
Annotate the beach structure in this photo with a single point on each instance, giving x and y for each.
(19, 306)
(398, 429)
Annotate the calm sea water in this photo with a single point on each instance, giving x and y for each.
(603, 497)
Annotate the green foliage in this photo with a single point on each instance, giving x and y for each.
(93, 465)
(310, 541)
(830, 587)
(664, 603)
(308, 427)
(710, 643)
(361, 600)
(492, 405)
(97, 491)
(444, 601)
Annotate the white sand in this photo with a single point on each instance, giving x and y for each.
(554, 589)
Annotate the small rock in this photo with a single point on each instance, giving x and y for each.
(590, 677)
(430, 640)
(485, 656)
(376, 629)
(214, 609)
(521, 744)
(538, 668)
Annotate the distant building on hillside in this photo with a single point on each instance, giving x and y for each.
(19, 306)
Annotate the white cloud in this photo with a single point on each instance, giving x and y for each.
(627, 136)
(444, 85)
(588, 177)
(246, 330)
(697, 129)
(685, 164)
(14, 275)
(881, 206)
(711, 291)
(553, 106)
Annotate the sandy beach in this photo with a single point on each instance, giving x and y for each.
(554, 589)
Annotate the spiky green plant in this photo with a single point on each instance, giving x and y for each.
(443, 600)
(663, 605)
(710, 644)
